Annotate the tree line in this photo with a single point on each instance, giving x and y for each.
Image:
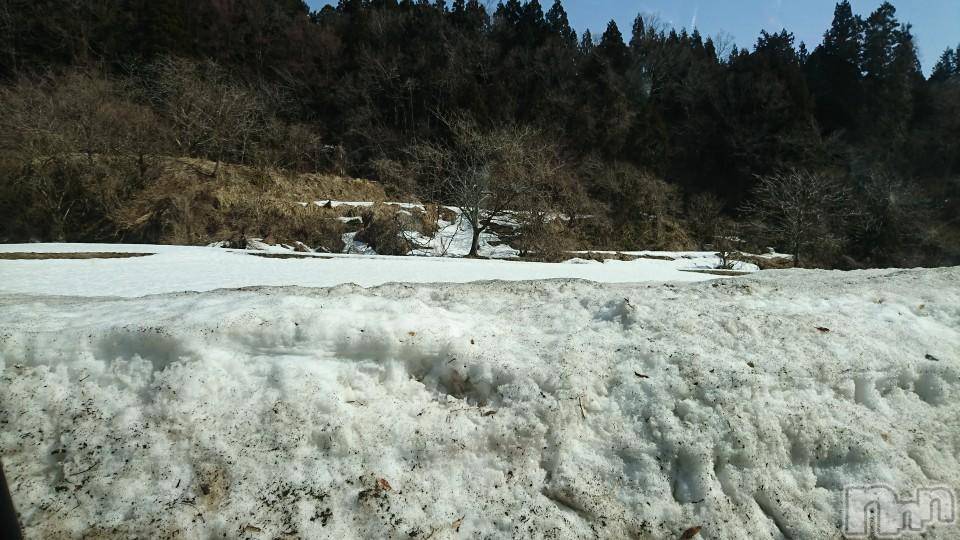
(663, 132)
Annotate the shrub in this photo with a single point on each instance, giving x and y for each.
(805, 212)
(546, 237)
(387, 228)
(644, 211)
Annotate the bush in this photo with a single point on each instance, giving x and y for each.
(387, 228)
(72, 148)
(644, 211)
(544, 239)
(705, 218)
(803, 212)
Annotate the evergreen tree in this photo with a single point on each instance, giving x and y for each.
(879, 43)
(612, 48)
(947, 66)
(777, 48)
(844, 38)
(709, 49)
(903, 84)
(891, 72)
(558, 24)
(532, 28)
(833, 72)
(586, 43)
(639, 33)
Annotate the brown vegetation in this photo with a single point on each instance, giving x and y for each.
(386, 227)
(763, 263)
(189, 204)
(23, 256)
(184, 152)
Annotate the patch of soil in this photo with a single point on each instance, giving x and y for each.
(287, 255)
(20, 256)
(603, 256)
(716, 271)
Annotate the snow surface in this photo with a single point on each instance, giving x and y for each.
(560, 409)
(364, 204)
(189, 268)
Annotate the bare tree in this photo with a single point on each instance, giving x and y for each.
(487, 175)
(213, 116)
(73, 146)
(723, 43)
(704, 216)
(800, 209)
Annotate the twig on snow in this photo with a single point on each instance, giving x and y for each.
(88, 469)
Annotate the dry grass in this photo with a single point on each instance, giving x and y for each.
(21, 256)
(764, 263)
(604, 256)
(194, 202)
(384, 226)
(287, 255)
(716, 271)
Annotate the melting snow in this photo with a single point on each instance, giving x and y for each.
(187, 268)
(563, 408)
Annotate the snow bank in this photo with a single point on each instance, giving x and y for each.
(186, 268)
(561, 409)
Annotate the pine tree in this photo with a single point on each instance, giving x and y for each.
(511, 12)
(777, 48)
(612, 48)
(891, 78)
(696, 41)
(946, 67)
(469, 16)
(709, 49)
(833, 72)
(558, 24)
(905, 78)
(844, 38)
(532, 28)
(586, 43)
(879, 42)
(639, 33)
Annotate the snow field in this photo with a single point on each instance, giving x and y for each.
(551, 409)
(191, 268)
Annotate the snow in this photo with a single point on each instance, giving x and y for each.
(353, 246)
(188, 268)
(364, 204)
(453, 239)
(561, 409)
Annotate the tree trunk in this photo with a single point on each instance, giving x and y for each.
(475, 244)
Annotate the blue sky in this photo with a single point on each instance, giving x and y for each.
(936, 23)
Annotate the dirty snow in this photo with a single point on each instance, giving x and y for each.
(557, 409)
